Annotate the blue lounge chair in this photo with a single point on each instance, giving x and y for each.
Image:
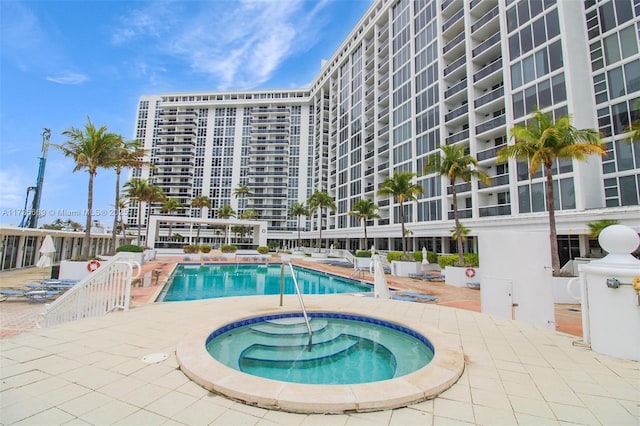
(32, 295)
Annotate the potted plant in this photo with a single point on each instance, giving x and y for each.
(363, 259)
(228, 251)
(401, 265)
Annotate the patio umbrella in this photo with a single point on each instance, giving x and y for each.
(47, 251)
(425, 261)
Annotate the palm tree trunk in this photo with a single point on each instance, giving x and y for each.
(456, 218)
(551, 208)
(86, 243)
(404, 241)
(139, 219)
(320, 239)
(298, 231)
(114, 232)
(366, 240)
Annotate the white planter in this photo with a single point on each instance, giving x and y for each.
(229, 256)
(459, 276)
(136, 257)
(401, 268)
(319, 255)
(72, 270)
(565, 293)
(362, 263)
(149, 255)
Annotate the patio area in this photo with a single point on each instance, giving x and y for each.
(92, 371)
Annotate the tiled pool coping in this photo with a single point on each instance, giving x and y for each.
(441, 373)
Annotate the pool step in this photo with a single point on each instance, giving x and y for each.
(289, 326)
(299, 353)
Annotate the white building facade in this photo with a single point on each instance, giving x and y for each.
(411, 76)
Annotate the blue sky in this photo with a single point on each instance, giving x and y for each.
(62, 61)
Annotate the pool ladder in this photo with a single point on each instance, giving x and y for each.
(297, 287)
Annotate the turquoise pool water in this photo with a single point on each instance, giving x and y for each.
(346, 349)
(194, 282)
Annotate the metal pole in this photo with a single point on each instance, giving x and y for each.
(282, 285)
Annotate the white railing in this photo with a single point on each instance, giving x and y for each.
(103, 291)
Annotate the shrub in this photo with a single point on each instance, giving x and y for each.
(228, 248)
(363, 253)
(263, 249)
(205, 248)
(274, 245)
(131, 248)
(470, 259)
(432, 256)
(191, 248)
(394, 255)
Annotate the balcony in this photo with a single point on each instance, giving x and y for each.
(484, 20)
(456, 113)
(177, 133)
(451, 22)
(491, 124)
(486, 45)
(496, 181)
(453, 43)
(457, 137)
(462, 214)
(455, 65)
(489, 153)
(488, 70)
(455, 89)
(497, 210)
(460, 188)
(489, 97)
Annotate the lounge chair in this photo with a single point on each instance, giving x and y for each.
(419, 296)
(32, 295)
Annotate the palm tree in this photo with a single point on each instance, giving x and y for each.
(121, 204)
(225, 212)
(596, 227)
(136, 190)
(364, 210)
(170, 206)
(200, 202)
(126, 155)
(298, 209)
(242, 191)
(453, 163)
(320, 200)
(154, 195)
(541, 141)
(91, 148)
(400, 187)
(249, 214)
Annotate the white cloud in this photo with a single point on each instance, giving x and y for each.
(238, 43)
(68, 78)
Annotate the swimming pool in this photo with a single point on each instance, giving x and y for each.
(195, 282)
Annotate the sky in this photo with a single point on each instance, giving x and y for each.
(62, 62)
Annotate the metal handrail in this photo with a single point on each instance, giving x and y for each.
(304, 310)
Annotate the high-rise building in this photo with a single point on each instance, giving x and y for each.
(411, 76)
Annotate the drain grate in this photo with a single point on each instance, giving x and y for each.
(154, 358)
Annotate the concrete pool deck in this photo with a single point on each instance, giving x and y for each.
(92, 371)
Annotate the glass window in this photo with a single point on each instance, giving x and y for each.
(514, 46)
(524, 202)
(518, 105)
(544, 94)
(536, 7)
(632, 76)
(537, 197)
(516, 75)
(616, 82)
(567, 194)
(624, 155)
(539, 35)
(528, 69)
(542, 64)
(628, 191)
(512, 19)
(558, 88)
(623, 11)
(607, 20)
(620, 117)
(530, 99)
(523, 12)
(526, 40)
(555, 56)
(553, 24)
(628, 42)
(611, 49)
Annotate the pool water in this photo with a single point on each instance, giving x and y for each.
(194, 282)
(346, 349)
